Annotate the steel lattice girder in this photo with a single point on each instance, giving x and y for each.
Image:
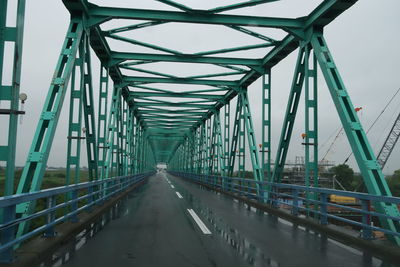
(182, 151)
(10, 93)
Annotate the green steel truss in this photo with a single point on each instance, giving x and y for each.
(155, 116)
(9, 92)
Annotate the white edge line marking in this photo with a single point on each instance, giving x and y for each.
(178, 194)
(199, 222)
(172, 186)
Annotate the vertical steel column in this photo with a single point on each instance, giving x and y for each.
(200, 149)
(251, 137)
(140, 149)
(265, 148)
(186, 154)
(74, 126)
(129, 141)
(242, 142)
(311, 120)
(119, 146)
(102, 117)
(32, 175)
(214, 156)
(192, 154)
(135, 146)
(208, 147)
(88, 109)
(10, 93)
(235, 137)
(290, 116)
(219, 143)
(365, 157)
(111, 130)
(204, 148)
(124, 145)
(144, 152)
(226, 136)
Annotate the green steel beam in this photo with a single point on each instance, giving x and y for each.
(311, 117)
(235, 137)
(290, 116)
(152, 100)
(74, 136)
(167, 124)
(370, 170)
(32, 174)
(171, 119)
(161, 117)
(10, 93)
(223, 74)
(102, 116)
(208, 165)
(241, 151)
(265, 147)
(144, 104)
(177, 95)
(88, 109)
(184, 92)
(102, 14)
(132, 80)
(219, 143)
(240, 5)
(227, 122)
(133, 27)
(129, 141)
(176, 5)
(143, 44)
(179, 112)
(147, 71)
(213, 148)
(112, 129)
(234, 49)
(251, 137)
(120, 57)
(252, 33)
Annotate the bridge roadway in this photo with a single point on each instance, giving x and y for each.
(157, 229)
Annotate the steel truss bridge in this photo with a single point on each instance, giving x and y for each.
(150, 118)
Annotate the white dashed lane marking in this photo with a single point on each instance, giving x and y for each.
(199, 222)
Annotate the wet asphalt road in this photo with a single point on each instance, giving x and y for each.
(156, 229)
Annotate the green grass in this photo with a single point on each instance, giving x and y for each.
(52, 178)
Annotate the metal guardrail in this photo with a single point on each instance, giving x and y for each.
(316, 200)
(75, 199)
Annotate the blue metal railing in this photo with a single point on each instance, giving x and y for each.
(310, 201)
(76, 198)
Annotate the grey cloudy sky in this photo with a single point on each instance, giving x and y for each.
(364, 42)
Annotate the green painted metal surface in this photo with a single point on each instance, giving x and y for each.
(371, 172)
(9, 93)
(156, 116)
(32, 174)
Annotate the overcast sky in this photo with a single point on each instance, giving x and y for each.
(364, 42)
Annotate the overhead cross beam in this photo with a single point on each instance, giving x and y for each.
(132, 80)
(102, 14)
(119, 57)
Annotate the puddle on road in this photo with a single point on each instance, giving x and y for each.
(243, 247)
(248, 251)
(66, 252)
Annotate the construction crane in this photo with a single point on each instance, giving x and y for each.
(389, 144)
(391, 139)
